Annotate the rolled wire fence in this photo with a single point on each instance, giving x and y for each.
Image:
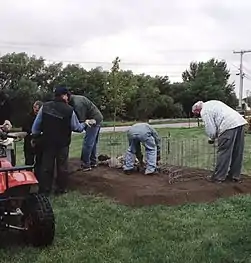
(181, 159)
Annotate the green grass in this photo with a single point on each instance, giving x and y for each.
(94, 229)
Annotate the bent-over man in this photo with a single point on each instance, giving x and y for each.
(142, 133)
(227, 125)
(56, 120)
(86, 109)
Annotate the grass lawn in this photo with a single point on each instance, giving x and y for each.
(93, 229)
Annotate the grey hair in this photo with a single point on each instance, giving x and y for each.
(197, 106)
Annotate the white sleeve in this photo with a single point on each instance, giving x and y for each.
(210, 127)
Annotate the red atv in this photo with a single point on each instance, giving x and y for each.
(22, 208)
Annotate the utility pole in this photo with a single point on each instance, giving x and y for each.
(241, 74)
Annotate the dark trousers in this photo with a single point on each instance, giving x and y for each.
(50, 156)
(29, 156)
(230, 154)
(33, 156)
(29, 152)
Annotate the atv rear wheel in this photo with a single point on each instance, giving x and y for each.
(38, 220)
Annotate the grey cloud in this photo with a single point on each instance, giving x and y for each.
(48, 27)
(58, 27)
(73, 21)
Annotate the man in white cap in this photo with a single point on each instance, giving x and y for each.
(226, 125)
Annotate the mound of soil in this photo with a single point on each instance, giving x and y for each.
(173, 186)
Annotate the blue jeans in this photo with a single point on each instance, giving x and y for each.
(89, 149)
(151, 153)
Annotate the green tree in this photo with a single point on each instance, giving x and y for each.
(115, 92)
(208, 81)
(146, 99)
(22, 96)
(119, 94)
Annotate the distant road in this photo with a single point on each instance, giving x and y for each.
(164, 125)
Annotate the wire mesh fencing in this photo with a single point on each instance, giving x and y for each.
(176, 152)
(194, 153)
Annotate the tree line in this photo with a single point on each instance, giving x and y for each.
(119, 94)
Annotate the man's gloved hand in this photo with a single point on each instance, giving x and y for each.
(90, 122)
(210, 141)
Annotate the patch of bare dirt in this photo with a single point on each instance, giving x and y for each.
(173, 186)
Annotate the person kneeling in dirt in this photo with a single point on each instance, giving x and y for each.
(148, 136)
(227, 125)
(56, 120)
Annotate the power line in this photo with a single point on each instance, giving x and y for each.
(33, 44)
(121, 63)
(109, 63)
(247, 77)
(106, 63)
(159, 71)
(241, 74)
(46, 44)
(247, 70)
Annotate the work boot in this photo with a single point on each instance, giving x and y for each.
(211, 179)
(128, 172)
(85, 168)
(234, 180)
(94, 165)
(148, 173)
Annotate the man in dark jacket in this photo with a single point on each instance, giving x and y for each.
(29, 151)
(56, 120)
(32, 154)
(85, 109)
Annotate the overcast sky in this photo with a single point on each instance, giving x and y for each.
(151, 36)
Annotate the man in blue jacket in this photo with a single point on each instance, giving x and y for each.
(56, 120)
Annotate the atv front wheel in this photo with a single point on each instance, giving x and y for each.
(38, 220)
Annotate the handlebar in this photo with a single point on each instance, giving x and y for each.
(15, 136)
(12, 136)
